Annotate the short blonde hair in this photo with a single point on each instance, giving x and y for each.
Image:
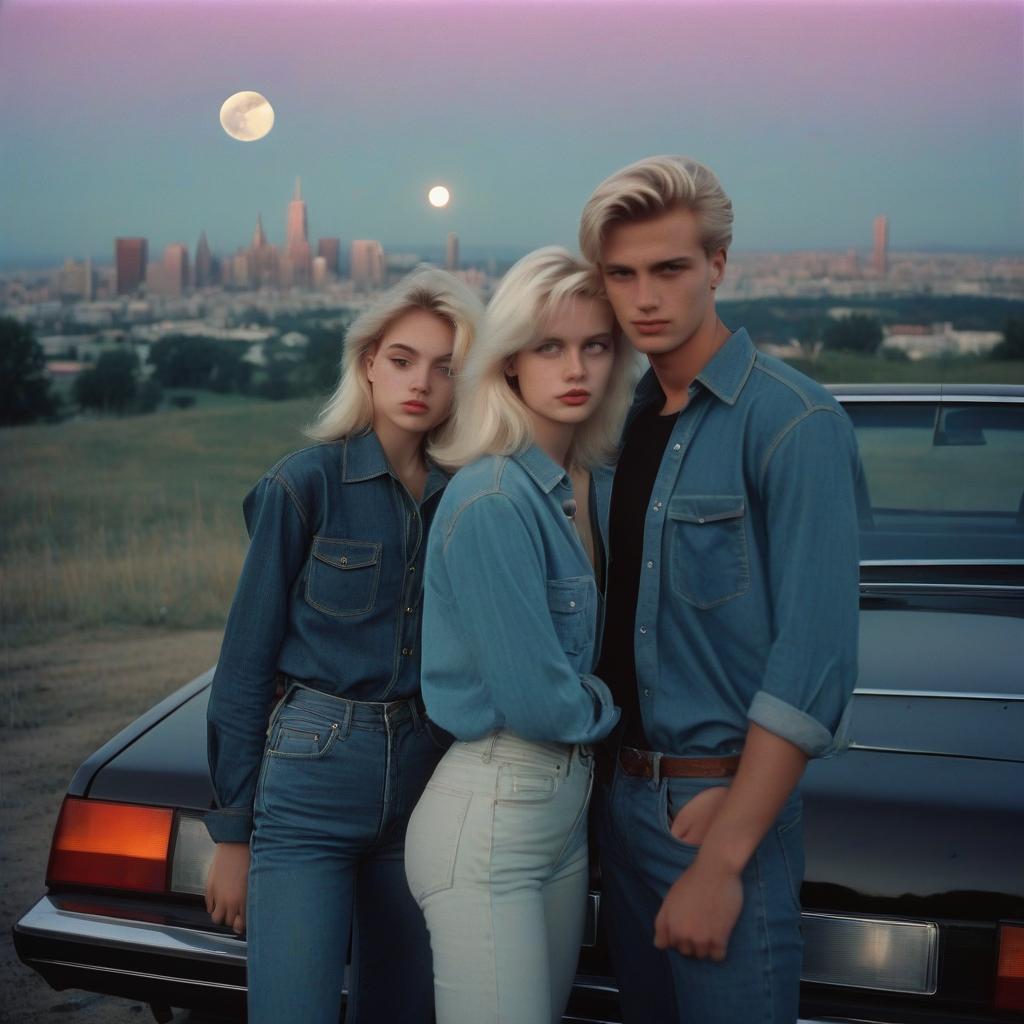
(651, 187)
(350, 409)
(490, 417)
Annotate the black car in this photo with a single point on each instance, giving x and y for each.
(914, 892)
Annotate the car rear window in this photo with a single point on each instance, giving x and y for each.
(945, 481)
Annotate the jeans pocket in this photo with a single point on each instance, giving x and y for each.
(299, 734)
(789, 835)
(518, 784)
(708, 548)
(441, 738)
(432, 840)
(676, 794)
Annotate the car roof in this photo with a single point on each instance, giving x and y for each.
(1013, 392)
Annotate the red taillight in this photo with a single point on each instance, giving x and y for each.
(121, 846)
(1010, 974)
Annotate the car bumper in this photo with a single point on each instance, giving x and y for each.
(147, 954)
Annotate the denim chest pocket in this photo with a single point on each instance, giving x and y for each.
(570, 607)
(343, 576)
(708, 548)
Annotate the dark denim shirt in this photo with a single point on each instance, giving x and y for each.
(329, 593)
(748, 603)
(511, 609)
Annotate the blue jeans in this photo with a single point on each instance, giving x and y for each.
(497, 858)
(338, 782)
(759, 981)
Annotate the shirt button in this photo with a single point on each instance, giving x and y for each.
(647, 692)
(343, 560)
(657, 506)
(650, 565)
(408, 611)
(677, 447)
(572, 604)
(412, 568)
(700, 520)
(643, 629)
(407, 651)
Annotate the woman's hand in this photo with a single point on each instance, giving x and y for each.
(226, 885)
(694, 819)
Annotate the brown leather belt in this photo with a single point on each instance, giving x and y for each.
(640, 764)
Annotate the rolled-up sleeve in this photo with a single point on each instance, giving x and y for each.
(498, 583)
(244, 681)
(809, 491)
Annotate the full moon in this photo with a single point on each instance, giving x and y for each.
(246, 116)
(439, 196)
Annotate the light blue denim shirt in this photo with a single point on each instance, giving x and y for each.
(330, 593)
(747, 609)
(511, 609)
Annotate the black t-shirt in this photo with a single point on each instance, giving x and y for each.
(631, 493)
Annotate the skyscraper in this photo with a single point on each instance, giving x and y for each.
(330, 249)
(367, 263)
(880, 257)
(169, 277)
(130, 259)
(204, 263)
(451, 252)
(298, 256)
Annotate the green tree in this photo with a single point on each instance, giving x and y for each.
(854, 333)
(186, 361)
(1012, 345)
(24, 387)
(111, 384)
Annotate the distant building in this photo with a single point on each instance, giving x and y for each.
(880, 255)
(204, 263)
(330, 249)
(297, 263)
(170, 277)
(130, 259)
(451, 252)
(74, 280)
(367, 263)
(263, 261)
(319, 272)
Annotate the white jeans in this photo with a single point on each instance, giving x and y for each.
(496, 857)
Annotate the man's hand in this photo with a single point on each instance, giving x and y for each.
(226, 885)
(694, 819)
(700, 912)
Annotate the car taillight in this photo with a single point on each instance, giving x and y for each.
(1010, 974)
(120, 846)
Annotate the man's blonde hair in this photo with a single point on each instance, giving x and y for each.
(651, 187)
(350, 409)
(490, 417)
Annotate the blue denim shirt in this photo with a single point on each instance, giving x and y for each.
(748, 603)
(511, 608)
(329, 593)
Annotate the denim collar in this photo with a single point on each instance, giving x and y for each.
(363, 458)
(724, 375)
(543, 470)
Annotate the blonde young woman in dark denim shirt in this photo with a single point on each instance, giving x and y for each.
(329, 602)
(496, 853)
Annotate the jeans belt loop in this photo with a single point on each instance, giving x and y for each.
(489, 748)
(414, 712)
(655, 769)
(346, 719)
(289, 690)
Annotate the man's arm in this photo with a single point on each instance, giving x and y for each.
(701, 909)
(807, 487)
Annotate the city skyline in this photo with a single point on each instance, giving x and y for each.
(818, 118)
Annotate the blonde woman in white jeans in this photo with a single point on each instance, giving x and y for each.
(496, 852)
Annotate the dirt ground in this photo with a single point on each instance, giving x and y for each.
(59, 701)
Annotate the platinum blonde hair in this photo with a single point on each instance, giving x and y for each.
(350, 409)
(490, 417)
(651, 187)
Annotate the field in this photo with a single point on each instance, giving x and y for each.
(137, 521)
(133, 521)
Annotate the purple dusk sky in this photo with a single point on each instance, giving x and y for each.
(817, 116)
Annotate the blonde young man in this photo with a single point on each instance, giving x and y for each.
(731, 633)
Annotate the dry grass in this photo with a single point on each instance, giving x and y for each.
(133, 521)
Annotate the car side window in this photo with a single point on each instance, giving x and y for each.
(946, 479)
